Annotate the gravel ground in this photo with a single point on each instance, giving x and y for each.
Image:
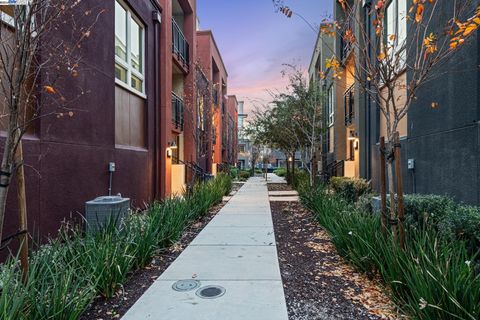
(141, 280)
(318, 283)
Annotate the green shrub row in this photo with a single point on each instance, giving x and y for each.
(350, 188)
(433, 278)
(244, 175)
(70, 271)
(281, 172)
(452, 221)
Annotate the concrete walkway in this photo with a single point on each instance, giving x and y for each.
(236, 251)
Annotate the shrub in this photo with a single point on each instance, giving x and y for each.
(430, 279)
(301, 178)
(281, 172)
(422, 209)
(244, 175)
(258, 171)
(462, 223)
(233, 172)
(350, 188)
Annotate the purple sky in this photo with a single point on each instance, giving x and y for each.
(255, 41)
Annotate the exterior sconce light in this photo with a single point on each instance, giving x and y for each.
(352, 135)
(171, 146)
(290, 159)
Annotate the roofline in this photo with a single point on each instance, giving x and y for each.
(210, 33)
(317, 45)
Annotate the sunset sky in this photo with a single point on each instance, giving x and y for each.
(255, 41)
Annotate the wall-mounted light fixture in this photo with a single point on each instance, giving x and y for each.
(352, 135)
(290, 159)
(171, 145)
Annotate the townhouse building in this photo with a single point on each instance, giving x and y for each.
(244, 144)
(144, 111)
(223, 107)
(440, 146)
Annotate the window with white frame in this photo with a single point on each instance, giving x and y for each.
(330, 107)
(396, 23)
(129, 49)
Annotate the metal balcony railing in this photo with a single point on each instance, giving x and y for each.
(180, 46)
(349, 105)
(177, 111)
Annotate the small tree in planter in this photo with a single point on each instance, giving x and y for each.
(416, 37)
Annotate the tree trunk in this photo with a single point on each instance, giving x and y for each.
(391, 189)
(5, 179)
(293, 169)
(398, 172)
(314, 166)
(288, 170)
(22, 210)
(383, 186)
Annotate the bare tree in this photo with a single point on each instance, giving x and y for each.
(40, 51)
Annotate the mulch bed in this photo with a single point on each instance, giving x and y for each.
(279, 187)
(142, 279)
(318, 283)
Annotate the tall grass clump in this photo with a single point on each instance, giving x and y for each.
(68, 273)
(433, 278)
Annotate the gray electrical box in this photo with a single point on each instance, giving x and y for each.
(103, 210)
(411, 164)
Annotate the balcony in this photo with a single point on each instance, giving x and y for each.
(349, 105)
(177, 112)
(180, 46)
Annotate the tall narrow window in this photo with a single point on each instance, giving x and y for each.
(129, 49)
(331, 109)
(397, 28)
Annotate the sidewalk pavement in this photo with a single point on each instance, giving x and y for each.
(236, 251)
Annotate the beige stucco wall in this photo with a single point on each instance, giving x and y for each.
(400, 96)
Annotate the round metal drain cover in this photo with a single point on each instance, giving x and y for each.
(186, 285)
(211, 292)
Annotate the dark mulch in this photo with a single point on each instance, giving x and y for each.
(279, 187)
(236, 186)
(318, 283)
(142, 279)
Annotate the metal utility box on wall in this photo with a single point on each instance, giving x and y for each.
(102, 210)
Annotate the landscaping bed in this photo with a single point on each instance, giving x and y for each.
(318, 283)
(142, 279)
(78, 268)
(279, 187)
(436, 276)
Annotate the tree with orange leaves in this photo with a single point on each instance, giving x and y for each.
(432, 32)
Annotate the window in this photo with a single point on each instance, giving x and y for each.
(330, 107)
(129, 50)
(241, 148)
(396, 22)
(200, 112)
